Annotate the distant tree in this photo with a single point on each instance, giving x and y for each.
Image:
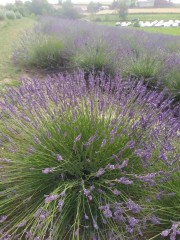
(69, 11)
(10, 7)
(98, 5)
(115, 4)
(133, 3)
(40, 7)
(123, 10)
(92, 7)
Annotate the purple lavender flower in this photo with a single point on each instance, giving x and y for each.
(100, 172)
(149, 178)
(135, 208)
(95, 225)
(154, 219)
(78, 138)
(59, 157)
(144, 154)
(103, 143)
(48, 134)
(76, 232)
(22, 224)
(3, 218)
(124, 180)
(116, 192)
(110, 166)
(63, 193)
(48, 170)
(31, 149)
(86, 216)
(29, 235)
(60, 205)
(124, 164)
(50, 198)
(131, 144)
(5, 160)
(86, 192)
(165, 233)
(106, 211)
(133, 221)
(36, 139)
(129, 229)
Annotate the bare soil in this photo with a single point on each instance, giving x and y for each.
(143, 10)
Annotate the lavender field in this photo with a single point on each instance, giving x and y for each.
(90, 149)
(67, 45)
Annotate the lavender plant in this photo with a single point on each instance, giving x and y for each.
(85, 162)
(44, 52)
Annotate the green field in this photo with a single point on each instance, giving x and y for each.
(9, 32)
(171, 31)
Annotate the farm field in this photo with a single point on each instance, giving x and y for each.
(89, 144)
(10, 32)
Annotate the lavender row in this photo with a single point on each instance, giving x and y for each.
(57, 45)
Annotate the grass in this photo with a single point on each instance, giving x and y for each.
(171, 31)
(9, 33)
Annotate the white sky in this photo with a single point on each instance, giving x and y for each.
(3, 2)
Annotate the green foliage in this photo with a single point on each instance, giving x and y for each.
(136, 24)
(47, 53)
(18, 15)
(2, 14)
(143, 66)
(40, 7)
(10, 15)
(172, 82)
(19, 7)
(95, 58)
(168, 208)
(98, 19)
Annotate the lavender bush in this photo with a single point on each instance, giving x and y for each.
(44, 52)
(87, 162)
(88, 46)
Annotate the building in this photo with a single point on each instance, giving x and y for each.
(145, 3)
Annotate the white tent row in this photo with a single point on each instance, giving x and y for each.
(155, 23)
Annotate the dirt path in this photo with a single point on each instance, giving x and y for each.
(143, 10)
(9, 35)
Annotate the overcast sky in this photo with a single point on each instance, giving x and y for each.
(74, 1)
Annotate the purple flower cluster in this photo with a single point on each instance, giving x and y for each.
(173, 232)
